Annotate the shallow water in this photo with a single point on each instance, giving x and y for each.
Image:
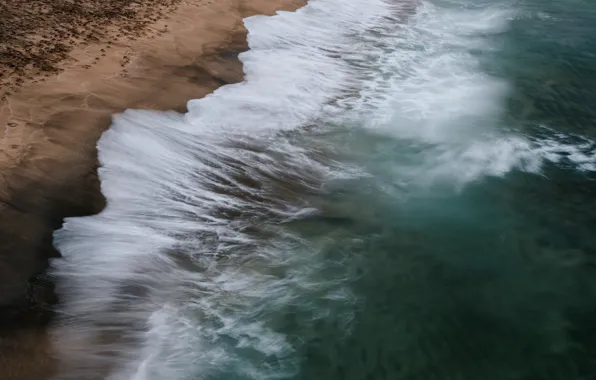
(411, 198)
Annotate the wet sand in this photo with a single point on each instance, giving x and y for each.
(55, 105)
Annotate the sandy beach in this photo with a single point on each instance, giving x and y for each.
(65, 69)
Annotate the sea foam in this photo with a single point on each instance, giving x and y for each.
(189, 272)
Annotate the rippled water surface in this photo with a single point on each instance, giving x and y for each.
(412, 198)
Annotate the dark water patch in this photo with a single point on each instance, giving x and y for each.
(475, 297)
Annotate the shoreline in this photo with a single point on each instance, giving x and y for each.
(48, 143)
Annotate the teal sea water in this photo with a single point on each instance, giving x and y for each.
(411, 198)
(495, 279)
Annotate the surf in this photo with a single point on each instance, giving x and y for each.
(199, 265)
(188, 270)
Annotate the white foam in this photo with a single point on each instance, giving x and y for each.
(429, 84)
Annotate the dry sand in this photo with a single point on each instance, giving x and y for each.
(64, 70)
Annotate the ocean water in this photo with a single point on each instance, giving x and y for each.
(398, 190)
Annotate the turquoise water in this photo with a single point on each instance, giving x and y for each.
(492, 280)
